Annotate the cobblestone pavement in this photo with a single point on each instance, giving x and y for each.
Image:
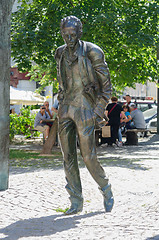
(30, 208)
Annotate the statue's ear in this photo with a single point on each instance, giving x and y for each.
(80, 34)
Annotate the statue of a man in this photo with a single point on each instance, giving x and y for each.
(84, 91)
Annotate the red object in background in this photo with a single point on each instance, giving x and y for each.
(148, 98)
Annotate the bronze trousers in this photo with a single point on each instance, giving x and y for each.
(79, 121)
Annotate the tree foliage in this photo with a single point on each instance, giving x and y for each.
(22, 124)
(126, 30)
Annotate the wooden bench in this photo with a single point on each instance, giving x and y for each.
(132, 137)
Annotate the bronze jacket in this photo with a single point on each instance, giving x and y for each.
(94, 75)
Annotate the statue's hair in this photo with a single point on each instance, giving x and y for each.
(74, 21)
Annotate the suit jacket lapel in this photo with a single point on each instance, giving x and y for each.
(62, 74)
(82, 62)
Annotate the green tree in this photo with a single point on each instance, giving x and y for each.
(22, 124)
(126, 30)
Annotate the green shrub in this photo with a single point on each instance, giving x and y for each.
(22, 124)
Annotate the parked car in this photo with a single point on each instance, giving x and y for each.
(150, 117)
(152, 125)
(145, 105)
(142, 105)
(150, 114)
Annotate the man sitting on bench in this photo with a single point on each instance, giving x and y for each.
(137, 125)
(138, 120)
(40, 123)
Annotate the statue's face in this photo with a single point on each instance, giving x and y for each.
(70, 36)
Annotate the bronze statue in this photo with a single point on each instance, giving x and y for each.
(84, 91)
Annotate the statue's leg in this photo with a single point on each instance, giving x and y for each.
(67, 134)
(88, 150)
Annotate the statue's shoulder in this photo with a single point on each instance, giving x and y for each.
(93, 50)
(59, 51)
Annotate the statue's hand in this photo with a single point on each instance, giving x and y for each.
(99, 121)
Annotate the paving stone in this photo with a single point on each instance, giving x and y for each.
(29, 209)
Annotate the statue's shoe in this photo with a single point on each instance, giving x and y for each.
(75, 208)
(108, 204)
(108, 198)
(73, 211)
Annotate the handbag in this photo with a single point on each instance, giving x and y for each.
(106, 131)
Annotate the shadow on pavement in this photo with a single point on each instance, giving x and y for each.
(18, 166)
(153, 238)
(130, 156)
(43, 226)
(125, 157)
(123, 163)
(154, 139)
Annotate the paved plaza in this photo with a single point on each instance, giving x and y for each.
(31, 208)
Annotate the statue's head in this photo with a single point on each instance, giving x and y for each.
(71, 30)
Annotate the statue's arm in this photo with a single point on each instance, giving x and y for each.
(96, 56)
(57, 57)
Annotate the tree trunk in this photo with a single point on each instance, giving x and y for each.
(51, 139)
(158, 92)
(5, 14)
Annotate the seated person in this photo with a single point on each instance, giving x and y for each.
(128, 116)
(54, 108)
(138, 120)
(39, 123)
(46, 105)
(123, 120)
